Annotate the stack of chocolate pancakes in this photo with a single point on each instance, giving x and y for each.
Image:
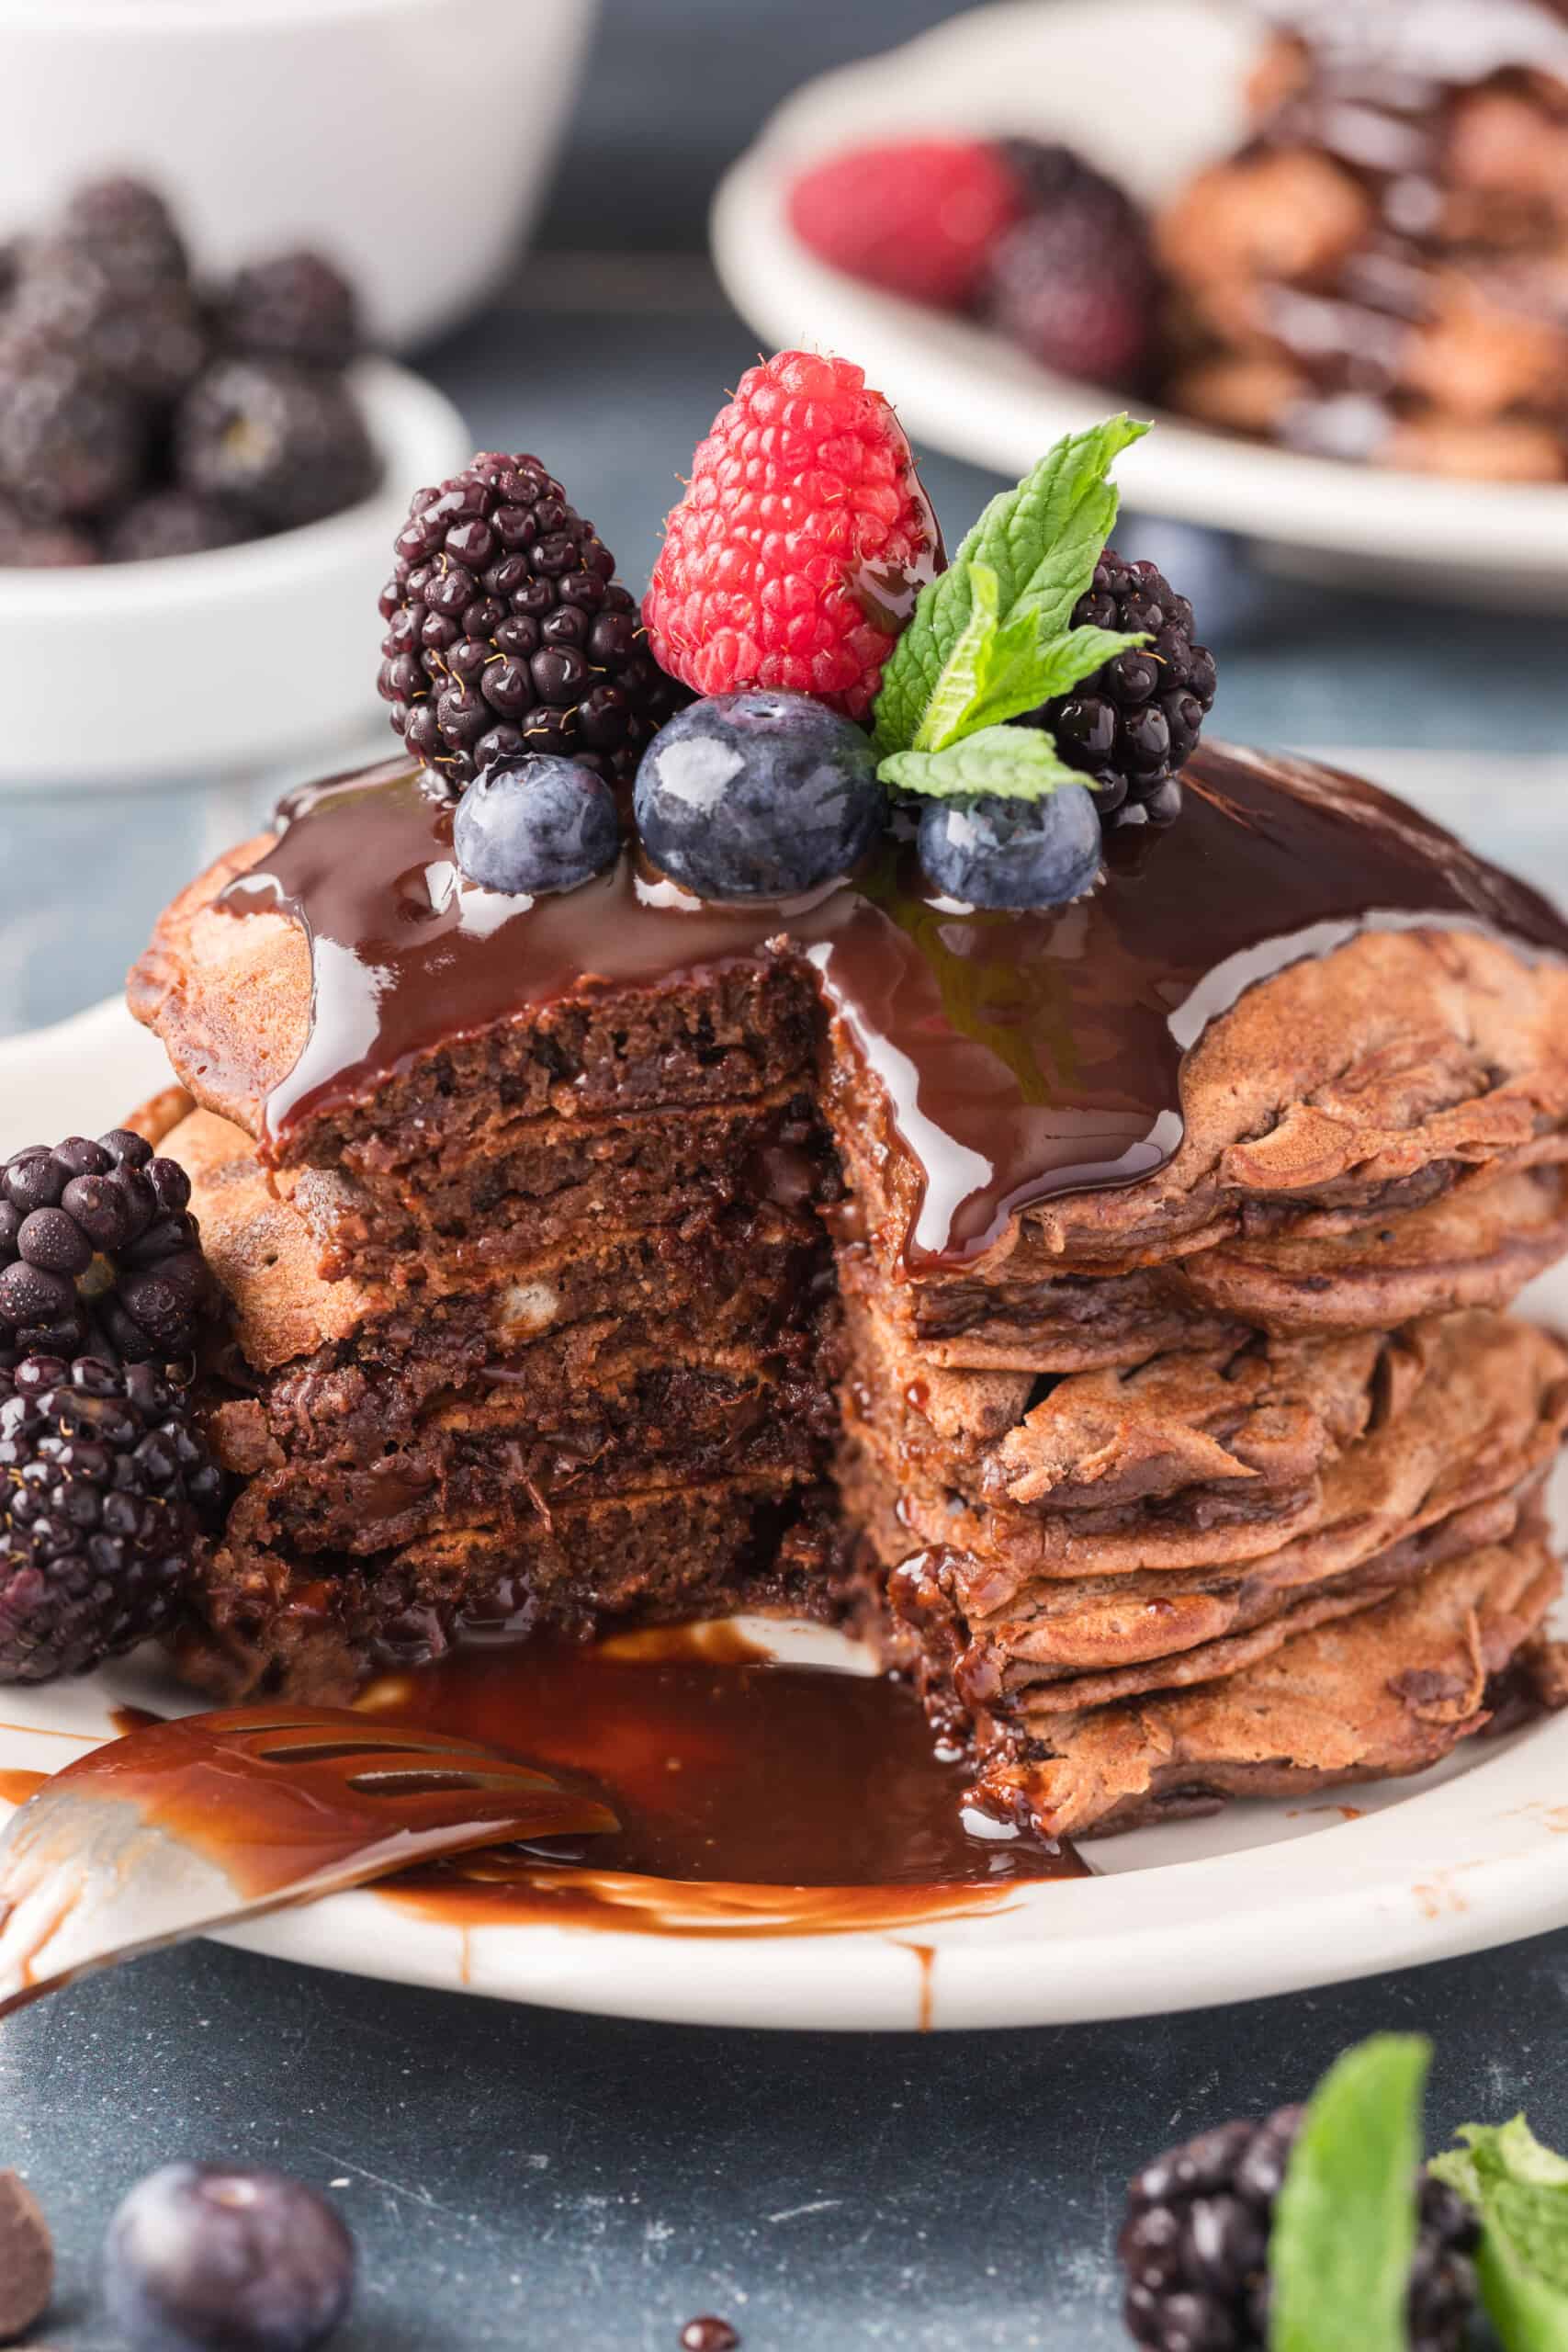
(1105, 1307)
(1382, 271)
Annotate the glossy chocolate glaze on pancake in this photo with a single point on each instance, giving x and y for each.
(1023, 1056)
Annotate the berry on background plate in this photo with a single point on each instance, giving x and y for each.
(1074, 282)
(919, 217)
(794, 558)
(752, 796)
(535, 824)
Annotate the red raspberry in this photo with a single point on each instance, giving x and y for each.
(920, 217)
(795, 558)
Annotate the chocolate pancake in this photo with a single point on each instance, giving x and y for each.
(1104, 1298)
(1385, 1692)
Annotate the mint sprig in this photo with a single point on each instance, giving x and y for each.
(1345, 2223)
(1519, 2190)
(990, 638)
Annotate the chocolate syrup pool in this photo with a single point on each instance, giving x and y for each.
(1021, 1056)
(750, 1794)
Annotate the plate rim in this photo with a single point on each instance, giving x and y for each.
(964, 391)
(1447, 1864)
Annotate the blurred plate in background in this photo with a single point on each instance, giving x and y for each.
(1049, 69)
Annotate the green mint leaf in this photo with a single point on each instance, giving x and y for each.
(1011, 762)
(1040, 542)
(972, 650)
(1044, 539)
(1520, 2190)
(998, 671)
(1344, 2227)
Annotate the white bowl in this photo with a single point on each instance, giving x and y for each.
(351, 124)
(1026, 67)
(132, 674)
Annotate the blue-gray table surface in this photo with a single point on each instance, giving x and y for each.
(519, 2179)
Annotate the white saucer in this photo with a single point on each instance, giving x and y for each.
(1263, 1898)
(1044, 67)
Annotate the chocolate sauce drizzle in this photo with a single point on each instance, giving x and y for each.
(1021, 1056)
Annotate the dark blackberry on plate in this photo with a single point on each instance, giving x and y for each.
(1195, 2245)
(105, 1494)
(286, 445)
(507, 632)
(98, 1251)
(1132, 726)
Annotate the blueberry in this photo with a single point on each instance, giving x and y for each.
(757, 796)
(536, 823)
(996, 852)
(201, 2258)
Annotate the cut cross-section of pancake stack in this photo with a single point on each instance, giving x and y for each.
(1226, 1480)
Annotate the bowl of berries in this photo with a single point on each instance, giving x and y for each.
(184, 467)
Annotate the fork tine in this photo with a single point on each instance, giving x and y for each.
(208, 1819)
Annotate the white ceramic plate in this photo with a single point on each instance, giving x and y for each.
(1045, 67)
(1264, 1898)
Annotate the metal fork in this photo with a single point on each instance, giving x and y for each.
(210, 1819)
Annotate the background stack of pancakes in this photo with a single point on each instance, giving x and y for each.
(1383, 272)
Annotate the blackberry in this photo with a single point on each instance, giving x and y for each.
(172, 522)
(287, 444)
(1133, 725)
(1195, 2244)
(106, 1493)
(507, 632)
(70, 442)
(296, 306)
(127, 226)
(98, 1253)
(142, 334)
(46, 547)
(1073, 281)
